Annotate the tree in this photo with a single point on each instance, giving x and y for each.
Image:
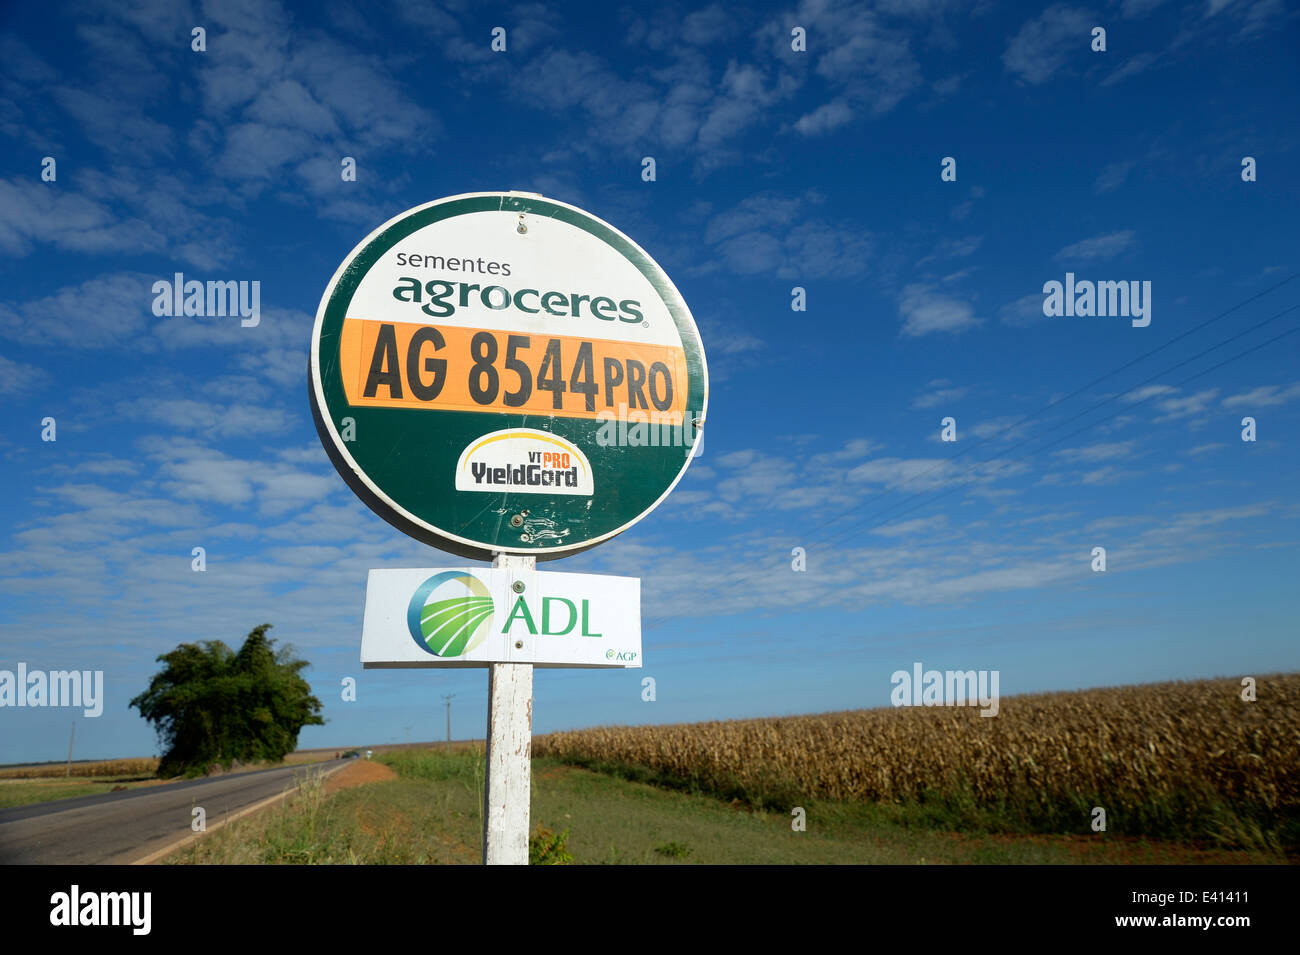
(211, 705)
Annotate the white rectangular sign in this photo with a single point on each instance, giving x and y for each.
(470, 617)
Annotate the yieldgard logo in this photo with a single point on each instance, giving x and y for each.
(446, 621)
(79, 688)
(947, 688)
(1102, 299)
(525, 461)
(217, 299)
(651, 429)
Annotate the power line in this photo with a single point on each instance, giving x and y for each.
(1096, 406)
(664, 618)
(852, 528)
(1093, 424)
(1078, 391)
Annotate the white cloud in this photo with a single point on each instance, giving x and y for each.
(1097, 452)
(1186, 405)
(110, 310)
(1098, 248)
(191, 471)
(682, 102)
(116, 310)
(913, 527)
(925, 311)
(239, 419)
(707, 25)
(1106, 475)
(1024, 311)
(32, 211)
(948, 85)
(1139, 8)
(853, 449)
(1265, 396)
(962, 210)
(1171, 404)
(824, 118)
(116, 125)
(1112, 176)
(916, 473)
(1132, 67)
(1009, 427)
(108, 466)
(18, 379)
(871, 62)
(939, 396)
(278, 96)
(1149, 391)
(1045, 43)
(782, 236)
(950, 247)
(1260, 15)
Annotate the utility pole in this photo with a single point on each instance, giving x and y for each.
(448, 697)
(68, 771)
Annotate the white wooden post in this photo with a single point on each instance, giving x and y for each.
(508, 789)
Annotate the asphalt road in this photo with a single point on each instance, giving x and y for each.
(119, 828)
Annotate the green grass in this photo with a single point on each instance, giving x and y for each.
(432, 813)
(1190, 818)
(411, 820)
(25, 792)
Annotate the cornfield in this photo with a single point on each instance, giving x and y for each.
(144, 766)
(1148, 751)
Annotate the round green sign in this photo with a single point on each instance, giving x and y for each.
(502, 373)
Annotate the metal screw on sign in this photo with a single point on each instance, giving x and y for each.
(518, 586)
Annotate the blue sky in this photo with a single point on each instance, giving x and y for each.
(775, 169)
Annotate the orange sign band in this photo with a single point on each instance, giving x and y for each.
(466, 369)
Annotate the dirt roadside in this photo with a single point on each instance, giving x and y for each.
(360, 772)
